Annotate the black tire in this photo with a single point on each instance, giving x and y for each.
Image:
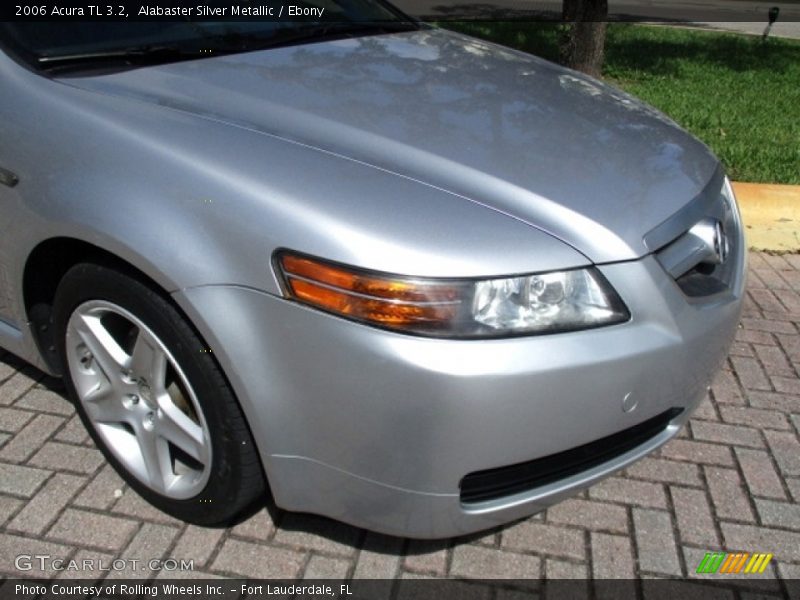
(236, 484)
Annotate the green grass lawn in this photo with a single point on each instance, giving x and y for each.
(739, 95)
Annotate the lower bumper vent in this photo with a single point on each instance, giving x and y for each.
(491, 484)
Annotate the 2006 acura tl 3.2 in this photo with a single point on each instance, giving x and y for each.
(417, 282)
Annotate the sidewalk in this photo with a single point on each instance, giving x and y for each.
(784, 29)
(731, 482)
(771, 215)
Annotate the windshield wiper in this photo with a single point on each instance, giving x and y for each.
(224, 44)
(136, 55)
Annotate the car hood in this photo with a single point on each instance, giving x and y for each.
(558, 150)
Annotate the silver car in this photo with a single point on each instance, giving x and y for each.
(398, 276)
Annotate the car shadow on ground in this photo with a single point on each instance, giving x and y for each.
(292, 526)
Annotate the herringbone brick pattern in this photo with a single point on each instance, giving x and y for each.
(730, 482)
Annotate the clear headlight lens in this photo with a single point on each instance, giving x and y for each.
(540, 303)
(560, 300)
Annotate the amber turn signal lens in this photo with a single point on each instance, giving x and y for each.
(381, 300)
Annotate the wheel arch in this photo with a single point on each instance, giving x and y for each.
(44, 268)
(117, 273)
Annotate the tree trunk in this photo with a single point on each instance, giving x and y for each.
(584, 35)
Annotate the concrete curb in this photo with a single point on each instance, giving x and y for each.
(771, 215)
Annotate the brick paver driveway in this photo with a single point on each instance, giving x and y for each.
(731, 482)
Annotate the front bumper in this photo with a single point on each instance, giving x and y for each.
(378, 429)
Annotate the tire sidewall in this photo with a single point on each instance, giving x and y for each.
(93, 282)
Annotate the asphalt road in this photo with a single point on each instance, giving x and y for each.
(746, 16)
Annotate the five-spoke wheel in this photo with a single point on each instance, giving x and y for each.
(154, 399)
(138, 398)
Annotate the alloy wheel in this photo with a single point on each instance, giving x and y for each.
(138, 399)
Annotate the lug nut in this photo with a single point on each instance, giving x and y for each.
(130, 400)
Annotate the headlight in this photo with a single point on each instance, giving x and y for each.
(527, 305)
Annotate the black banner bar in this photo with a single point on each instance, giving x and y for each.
(722, 588)
(441, 10)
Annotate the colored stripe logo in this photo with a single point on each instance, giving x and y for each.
(734, 562)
